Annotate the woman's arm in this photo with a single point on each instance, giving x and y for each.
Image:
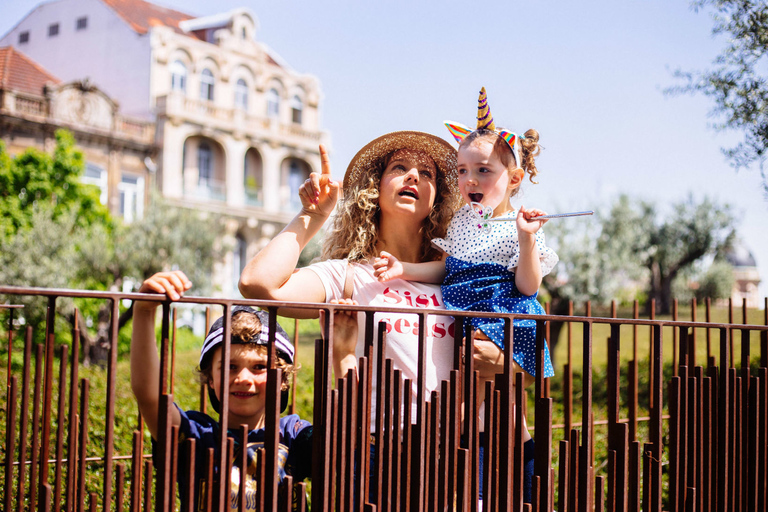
(528, 275)
(271, 274)
(145, 362)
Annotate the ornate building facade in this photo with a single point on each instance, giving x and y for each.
(236, 130)
(118, 149)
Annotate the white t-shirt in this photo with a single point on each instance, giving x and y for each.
(403, 329)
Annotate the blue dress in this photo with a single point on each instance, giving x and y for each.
(480, 277)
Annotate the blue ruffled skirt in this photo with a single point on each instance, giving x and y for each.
(490, 287)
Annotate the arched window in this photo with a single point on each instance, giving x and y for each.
(206, 85)
(178, 76)
(273, 103)
(204, 164)
(296, 109)
(239, 258)
(296, 176)
(241, 95)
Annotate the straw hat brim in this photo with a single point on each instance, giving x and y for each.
(438, 149)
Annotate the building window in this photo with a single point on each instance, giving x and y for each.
(178, 76)
(95, 175)
(82, 23)
(239, 258)
(53, 30)
(245, 33)
(204, 164)
(273, 103)
(296, 177)
(131, 190)
(206, 85)
(296, 109)
(24, 37)
(241, 95)
(252, 173)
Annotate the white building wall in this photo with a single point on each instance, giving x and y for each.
(108, 52)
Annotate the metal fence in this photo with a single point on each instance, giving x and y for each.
(702, 444)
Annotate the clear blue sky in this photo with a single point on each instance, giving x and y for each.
(588, 75)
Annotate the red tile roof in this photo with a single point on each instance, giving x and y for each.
(142, 16)
(19, 73)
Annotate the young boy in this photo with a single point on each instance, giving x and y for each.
(247, 390)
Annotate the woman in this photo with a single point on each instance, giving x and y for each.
(400, 191)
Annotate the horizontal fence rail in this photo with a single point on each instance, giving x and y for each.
(690, 434)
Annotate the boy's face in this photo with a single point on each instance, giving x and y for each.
(247, 383)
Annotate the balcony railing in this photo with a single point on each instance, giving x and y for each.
(254, 197)
(209, 190)
(180, 106)
(21, 104)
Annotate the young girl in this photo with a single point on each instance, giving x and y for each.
(490, 266)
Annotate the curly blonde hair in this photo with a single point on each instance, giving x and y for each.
(355, 227)
(529, 150)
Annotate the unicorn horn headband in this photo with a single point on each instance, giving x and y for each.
(485, 122)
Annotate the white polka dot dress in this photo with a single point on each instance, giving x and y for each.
(480, 277)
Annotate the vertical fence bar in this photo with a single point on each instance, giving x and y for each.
(60, 429)
(82, 443)
(723, 455)
(543, 447)
(633, 377)
(586, 479)
(655, 434)
(20, 488)
(72, 416)
(109, 428)
(34, 461)
(45, 442)
(10, 443)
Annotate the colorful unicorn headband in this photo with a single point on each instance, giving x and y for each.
(485, 122)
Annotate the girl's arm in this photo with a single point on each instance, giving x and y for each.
(387, 267)
(272, 273)
(145, 363)
(528, 275)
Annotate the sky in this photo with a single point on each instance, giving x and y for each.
(589, 76)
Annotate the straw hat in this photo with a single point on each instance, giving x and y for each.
(439, 150)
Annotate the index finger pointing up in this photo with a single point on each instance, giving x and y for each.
(325, 161)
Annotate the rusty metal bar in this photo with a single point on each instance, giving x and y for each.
(60, 431)
(109, 426)
(24, 419)
(45, 446)
(120, 487)
(33, 475)
(10, 443)
(82, 443)
(586, 501)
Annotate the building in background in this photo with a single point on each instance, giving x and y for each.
(745, 275)
(236, 130)
(34, 104)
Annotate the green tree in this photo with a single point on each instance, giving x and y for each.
(57, 234)
(635, 246)
(738, 79)
(47, 181)
(666, 243)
